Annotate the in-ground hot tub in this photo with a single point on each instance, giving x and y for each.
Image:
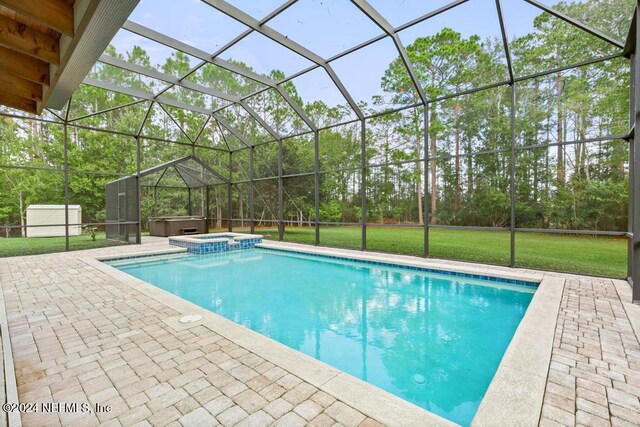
(177, 225)
(216, 242)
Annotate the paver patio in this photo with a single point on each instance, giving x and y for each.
(594, 376)
(80, 335)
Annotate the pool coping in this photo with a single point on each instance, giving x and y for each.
(625, 292)
(532, 283)
(136, 255)
(516, 392)
(411, 261)
(514, 396)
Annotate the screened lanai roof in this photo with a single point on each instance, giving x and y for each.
(186, 172)
(206, 68)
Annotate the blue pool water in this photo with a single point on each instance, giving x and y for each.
(434, 340)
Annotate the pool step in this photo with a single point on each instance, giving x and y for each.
(233, 245)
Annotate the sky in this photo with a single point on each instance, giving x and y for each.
(326, 27)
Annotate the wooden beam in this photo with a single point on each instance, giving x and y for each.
(96, 23)
(24, 66)
(55, 14)
(18, 102)
(29, 41)
(16, 85)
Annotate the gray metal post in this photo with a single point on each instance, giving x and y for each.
(280, 194)
(139, 192)
(316, 185)
(631, 189)
(229, 194)
(189, 208)
(505, 41)
(251, 177)
(66, 189)
(426, 199)
(512, 184)
(512, 162)
(363, 182)
(635, 146)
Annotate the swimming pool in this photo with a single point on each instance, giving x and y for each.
(435, 340)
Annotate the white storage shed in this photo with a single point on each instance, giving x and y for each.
(52, 218)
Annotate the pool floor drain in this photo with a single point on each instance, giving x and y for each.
(190, 318)
(445, 338)
(418, 379)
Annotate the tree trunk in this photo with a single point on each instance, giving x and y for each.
(203, 203)
(561, 175)
(432, 165)
(536, 165)
(536, 159)
(241, 209)
(218, 216)
(23, 229)
(384, 198)
(585, 155)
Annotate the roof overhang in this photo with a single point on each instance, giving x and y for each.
(47, 47)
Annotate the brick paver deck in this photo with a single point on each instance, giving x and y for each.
(594, 376)
(78, 335)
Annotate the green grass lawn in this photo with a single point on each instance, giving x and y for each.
(598, 256)
(17, 246)
(592, 255)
